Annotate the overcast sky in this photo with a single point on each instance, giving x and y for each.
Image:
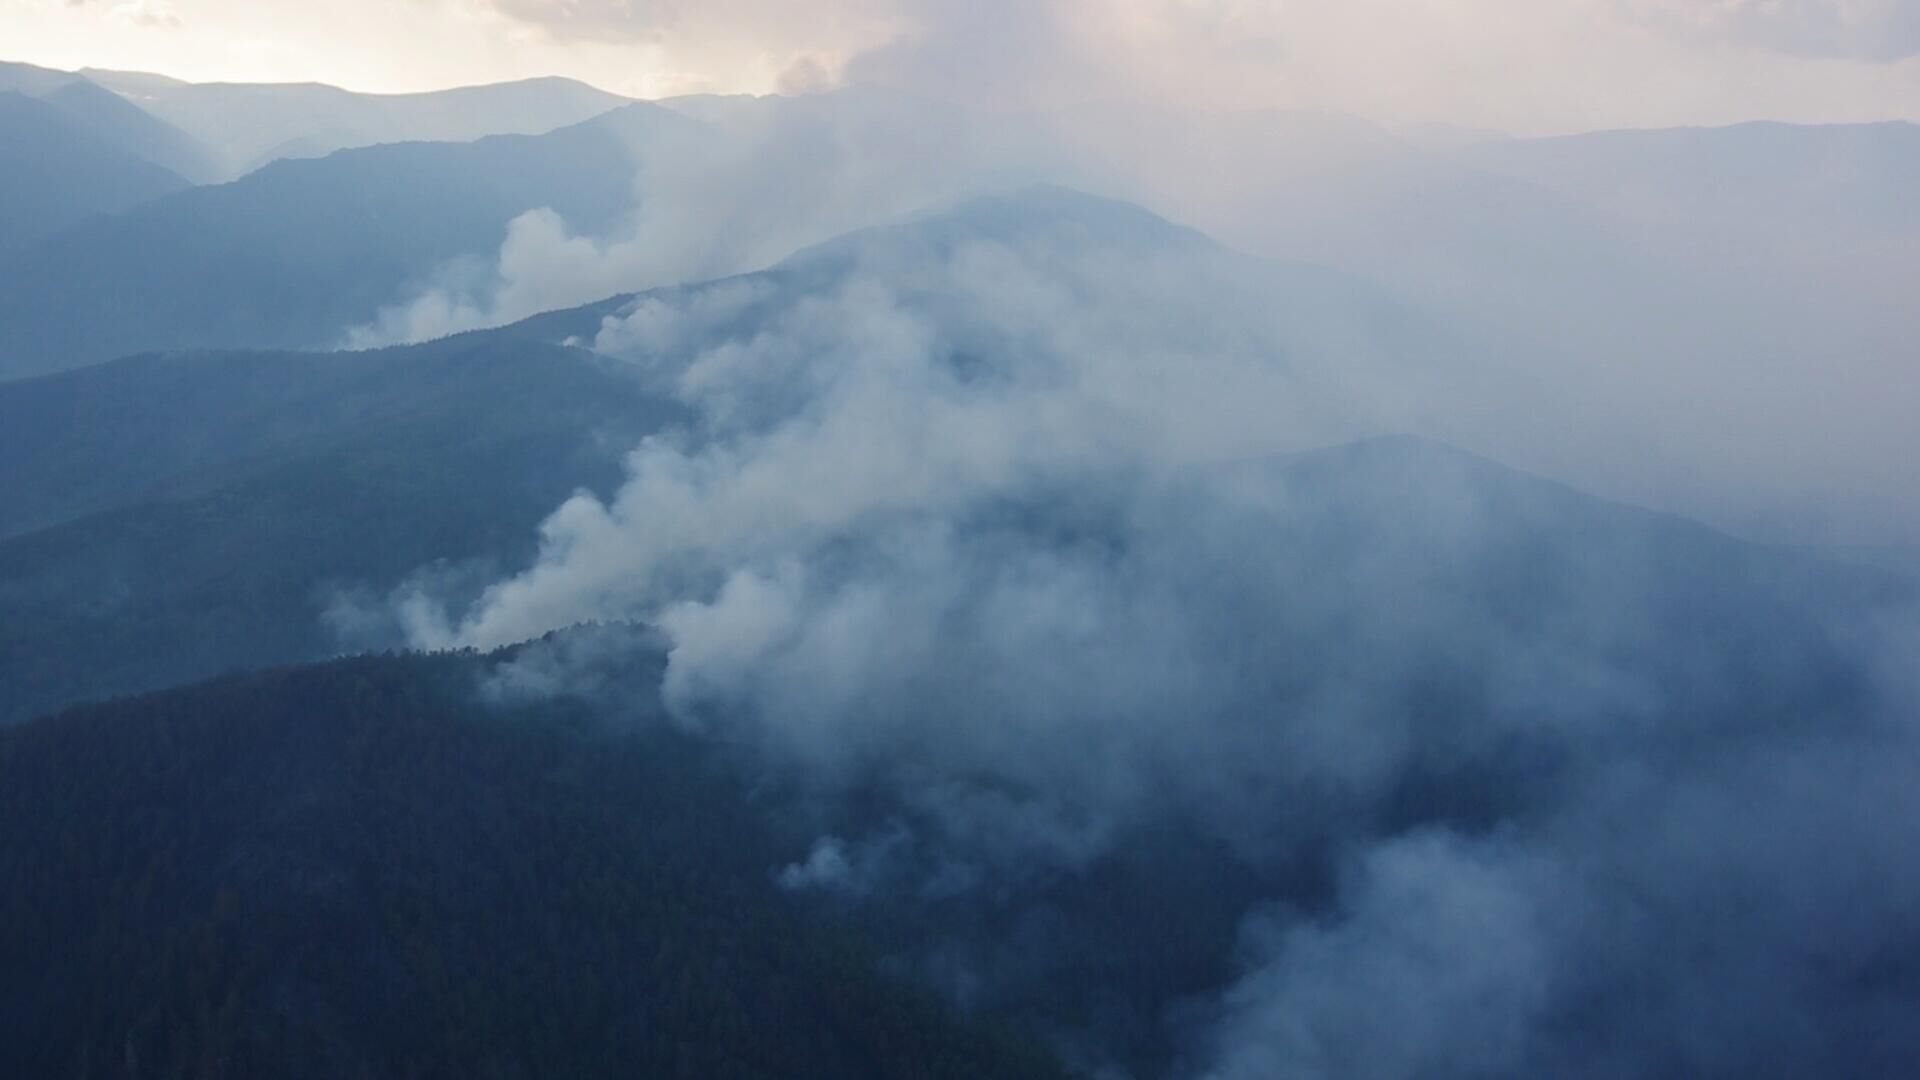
(1521, 65)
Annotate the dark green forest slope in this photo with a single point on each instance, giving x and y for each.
(356, 870)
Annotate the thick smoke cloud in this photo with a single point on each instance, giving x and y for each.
(1746, 914)
(997, 518)
(1751, 350)
(1439, 964)
(980, 365)
(1006, 521)
(733, 186)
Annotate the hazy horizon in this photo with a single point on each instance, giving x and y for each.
(1524, 68)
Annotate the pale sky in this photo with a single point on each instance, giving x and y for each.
(1521, 65)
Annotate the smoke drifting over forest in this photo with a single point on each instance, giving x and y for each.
(1595, 317)
(1013, 511)
(1251, 539)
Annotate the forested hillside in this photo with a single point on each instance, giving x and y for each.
(177, 517)
(358, 870)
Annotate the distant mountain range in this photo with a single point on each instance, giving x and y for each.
(212, 132)
(60, 171)
(292, 255)
(79, 148)
(246, 125)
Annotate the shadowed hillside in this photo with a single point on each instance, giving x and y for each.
(358, 870)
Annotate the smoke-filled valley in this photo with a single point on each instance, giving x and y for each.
(872, 581)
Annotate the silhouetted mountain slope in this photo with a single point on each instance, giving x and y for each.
(58, 172)
(358, 870)
(111, 118)
(293, 255)
(31, 79)
(211, 504)
(124, 124)
(162, 426)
